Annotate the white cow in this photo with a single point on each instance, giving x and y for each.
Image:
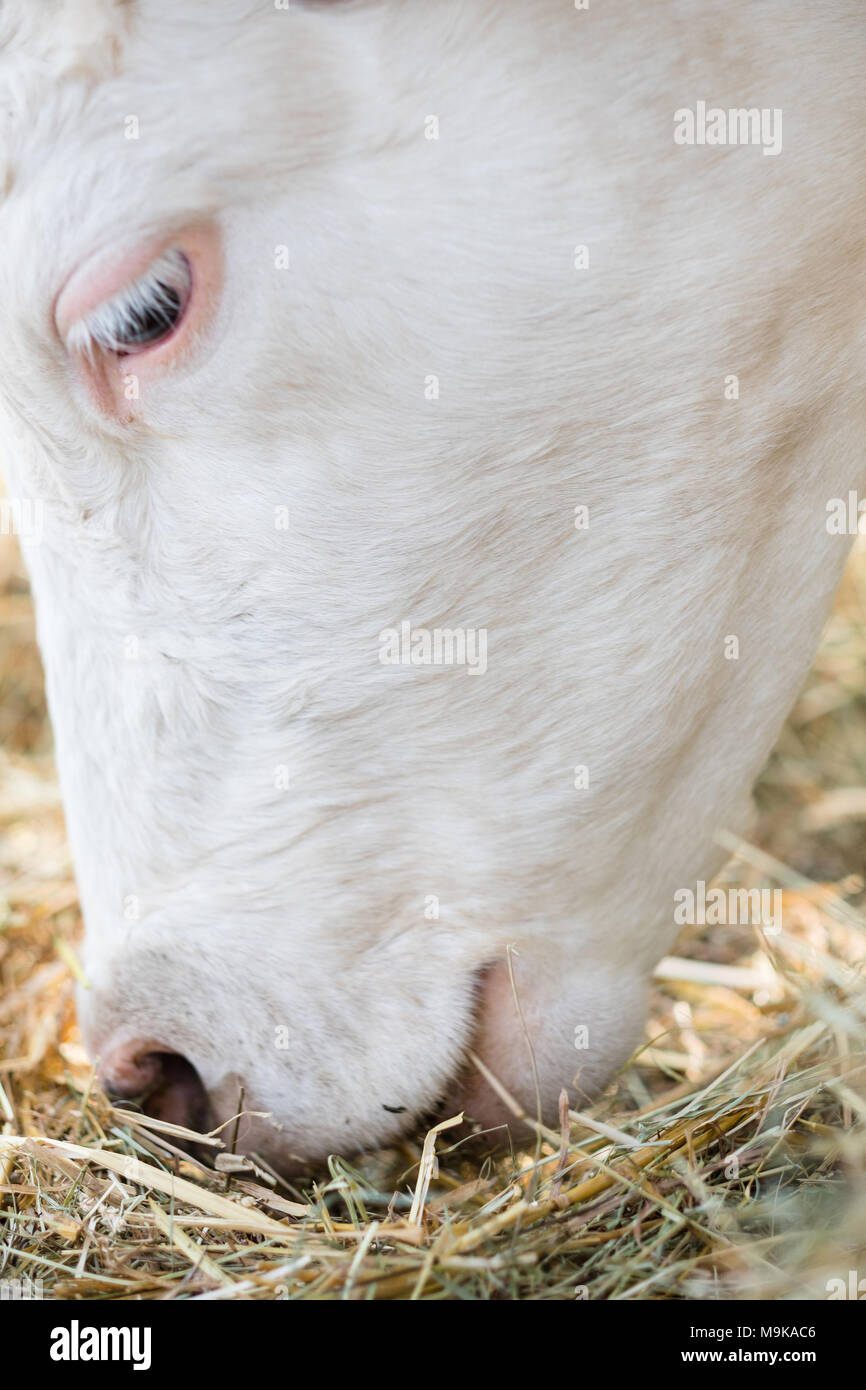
(433, 412)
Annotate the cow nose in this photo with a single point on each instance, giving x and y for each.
(164, 1083)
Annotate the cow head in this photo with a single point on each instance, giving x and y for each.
(300, 362)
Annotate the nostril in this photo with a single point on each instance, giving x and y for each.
(164, 1083)
(131, 1071)
(178, 1095)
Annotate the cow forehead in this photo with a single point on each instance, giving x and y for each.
(117, 116)
(44, 48)
(63, 35)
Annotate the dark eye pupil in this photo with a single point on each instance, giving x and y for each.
(147, 323)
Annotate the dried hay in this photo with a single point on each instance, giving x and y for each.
(726, 1162)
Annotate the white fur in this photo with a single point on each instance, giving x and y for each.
(192, 648)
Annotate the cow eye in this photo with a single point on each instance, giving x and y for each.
(141, 315)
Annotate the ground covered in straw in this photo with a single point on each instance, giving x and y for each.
(726, 1162)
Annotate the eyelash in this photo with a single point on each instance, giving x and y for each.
(119, 326)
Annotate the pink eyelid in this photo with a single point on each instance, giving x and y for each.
(101, 278)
